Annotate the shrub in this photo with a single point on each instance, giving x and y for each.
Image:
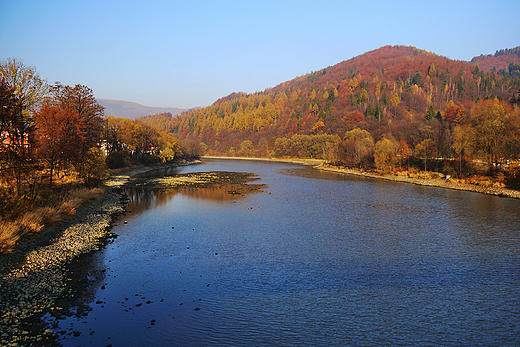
(93, 168)
(119, 159)
(512, 174)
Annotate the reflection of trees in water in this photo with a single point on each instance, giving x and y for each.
(220, 193)
(144, 198)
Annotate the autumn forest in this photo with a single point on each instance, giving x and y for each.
(392, 108)
(387, 108)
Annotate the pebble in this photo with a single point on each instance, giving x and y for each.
(34, 286)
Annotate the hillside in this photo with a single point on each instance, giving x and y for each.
(502, 59)
(132, 110)
(403, 93)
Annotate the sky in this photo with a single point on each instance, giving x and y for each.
(188, 54)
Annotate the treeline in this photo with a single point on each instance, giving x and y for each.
(419, 101)
(48, 132)
(501, 61)
(129, 142)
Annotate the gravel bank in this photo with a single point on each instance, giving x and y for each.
(433, 182)
(33, 286)
(38, 278)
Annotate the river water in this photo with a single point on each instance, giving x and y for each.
(312, 259)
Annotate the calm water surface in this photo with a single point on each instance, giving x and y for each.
(313, 259)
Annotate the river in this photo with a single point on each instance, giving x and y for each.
(312, 259)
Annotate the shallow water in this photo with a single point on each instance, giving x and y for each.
(315, 258)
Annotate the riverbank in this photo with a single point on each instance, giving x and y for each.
(38, 280)
(428, 179)
(424, 179)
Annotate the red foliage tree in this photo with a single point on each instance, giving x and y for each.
(60, 136)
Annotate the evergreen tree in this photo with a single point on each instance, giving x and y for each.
(460, 84)
(378, 112)
(370, 112)
(384, 98)
(431, 113)
(408, 86)
(418, 79)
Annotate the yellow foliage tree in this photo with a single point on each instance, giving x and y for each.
(319, 124)
(326, 95)
(353, 83)
(396, 100)
(385, 154)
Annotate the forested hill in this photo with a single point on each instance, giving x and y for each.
(396, 92)
(506, 59)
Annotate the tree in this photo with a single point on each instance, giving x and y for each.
(370, 112)
(431, 70)
(362, 96)
(143, 139)
(425, 150)
(191, 149)
(319, 124)
(496, 127)
(451, 112)
(462, 136)
(378, 111)
(168, 145)
(354, 118)
(418, 79)
(60, 136)
(246, 148)
(93, 168)
(395, 100)
(357, 146)
(26, 82)
(326, 95)
(22, 91)
(385, 154)
(403, 151)
(430, 113)
(81, 100)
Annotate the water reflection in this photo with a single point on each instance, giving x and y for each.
(143, 198)
(223, 193)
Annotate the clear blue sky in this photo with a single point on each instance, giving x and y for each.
(190, 53)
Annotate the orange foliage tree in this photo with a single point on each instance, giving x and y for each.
(60, 136)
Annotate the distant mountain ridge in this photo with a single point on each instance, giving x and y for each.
(500, 60)
(132, 110)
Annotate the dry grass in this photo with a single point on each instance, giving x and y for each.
(10, 233)
(35, 220)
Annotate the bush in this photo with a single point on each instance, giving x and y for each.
(93, 169)
(512, 175)
(150, 160)
(118, 160)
